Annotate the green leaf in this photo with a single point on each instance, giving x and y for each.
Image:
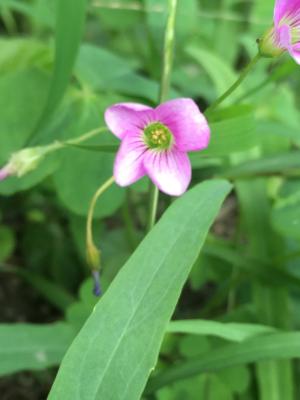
(98, 67)
(275, 164)
(32, 347)
(233, 130)
(267, 347)
(285, 216)
(127, 326)
(220, 73)
(94, 169)
(69, 28)
(229, 331)
(21, 53)
(21, 102)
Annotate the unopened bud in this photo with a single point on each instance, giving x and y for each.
(268, 45)
(93, 256)
(24, 161)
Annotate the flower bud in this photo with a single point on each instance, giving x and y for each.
(268, 45)
(93, 256)
(23, 161)
(94, 260)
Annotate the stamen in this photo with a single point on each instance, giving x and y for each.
(158, 136)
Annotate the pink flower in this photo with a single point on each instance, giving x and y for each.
(285, 35)
(155, 142)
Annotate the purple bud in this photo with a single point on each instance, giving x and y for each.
(4, 173)
(97, 286)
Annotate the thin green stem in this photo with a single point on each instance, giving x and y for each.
(242, 77)
(164, 90)
(93, 254)
(86, 136)
(129, 223)
(168, 52)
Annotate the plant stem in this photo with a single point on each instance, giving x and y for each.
(168, 52)
(153, 198)
(129, 223)
(164, 90)
(61, 144)
(93, 254)
(242, 77)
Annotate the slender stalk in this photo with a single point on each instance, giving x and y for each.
(242, 77)
(129, 223)
(153, 201)
(168, 51)
(164, 90)
(86, 136)
(92, 251)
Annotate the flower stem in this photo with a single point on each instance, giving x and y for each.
(60, 144)
(153, 197)
(164, 90)
(168, 52)
(242, 77)
(92, 252)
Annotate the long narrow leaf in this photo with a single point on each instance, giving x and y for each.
(275, 346)
(32, 347)
(68, 34)
(230, 331)
(114, 353)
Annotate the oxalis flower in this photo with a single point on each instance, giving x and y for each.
(285, 34)
(155, 142)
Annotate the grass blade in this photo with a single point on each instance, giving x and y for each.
(69, 28)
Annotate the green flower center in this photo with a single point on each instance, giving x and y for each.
(158, 136)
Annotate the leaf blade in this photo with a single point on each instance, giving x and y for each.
(141, 289)
(266, 347)
(69, 30)
(32, 347)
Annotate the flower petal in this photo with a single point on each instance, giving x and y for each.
(125, 118)
(169, 170)
(286, 9)
(295, 52)
(186, 122)
(284, 36)
(128, 166)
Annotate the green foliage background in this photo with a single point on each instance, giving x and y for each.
(236, 334)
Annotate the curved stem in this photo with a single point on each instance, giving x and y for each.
(164, 90)
(242, 77)
(93, 254)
